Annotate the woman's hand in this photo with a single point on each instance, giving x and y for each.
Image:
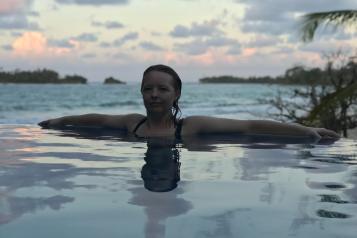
(50, 123)
(326, 134)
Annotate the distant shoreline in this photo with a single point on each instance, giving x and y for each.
(297, 75)
(35, 83)
(40, 76)
(254, 80)
(46, 76)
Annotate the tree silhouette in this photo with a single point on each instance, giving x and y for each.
(310, 22)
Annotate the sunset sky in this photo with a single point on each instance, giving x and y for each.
(120, 38)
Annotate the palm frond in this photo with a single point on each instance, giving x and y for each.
(310, 22)
(331, 100)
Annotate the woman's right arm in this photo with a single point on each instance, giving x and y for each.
(91, 120)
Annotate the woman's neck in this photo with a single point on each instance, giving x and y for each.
(158, 120)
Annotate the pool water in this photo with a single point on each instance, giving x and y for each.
(100, 184)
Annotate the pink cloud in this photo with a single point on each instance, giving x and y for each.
(249, 51)
(9, 6)
(35, 44)
(205, 59)
(171, 57)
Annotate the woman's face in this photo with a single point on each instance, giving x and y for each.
(158, 92)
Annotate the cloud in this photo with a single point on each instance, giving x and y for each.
(330, 32)
(94, 2)
(33, 14)
(125, 38)
(89, 55)
(276, 10)
(221, 41)
(30, 43)
(270, 28)
(7, 47)
(108, 24)
(36, 44)
(324, 47)
(195, 47)
(234, 50)
(278, 17)
(264, 41)
(64, 43)
(200, 46)
(150, 46)
(105, 45)
(156, 33)
(284, 50)
(207, 28)
(17, 21)
(86, 37)
(14, 15)
(121, 56)
(180, 31)
(12, 6)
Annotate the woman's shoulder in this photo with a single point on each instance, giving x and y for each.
(133, 119)
(196, 120)
(192, 124)
(127, 121)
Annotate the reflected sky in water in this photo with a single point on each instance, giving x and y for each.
(105, 184)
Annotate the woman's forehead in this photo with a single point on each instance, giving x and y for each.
(158, 75)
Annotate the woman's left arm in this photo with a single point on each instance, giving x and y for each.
(212, 125)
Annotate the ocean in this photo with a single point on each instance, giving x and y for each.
(100, 183)
(29, 104)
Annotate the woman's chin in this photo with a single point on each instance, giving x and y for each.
(156, 110)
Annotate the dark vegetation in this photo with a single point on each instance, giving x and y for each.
(233, 79)
(297, 75)
(332, 106)
(112, 80)
(312, 21)
(322, 97)
(46, 76)
(329, 96)
(39, 76)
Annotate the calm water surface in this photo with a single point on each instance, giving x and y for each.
(29, 104)
(80, 184)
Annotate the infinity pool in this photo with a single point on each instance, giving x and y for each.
(98, 184)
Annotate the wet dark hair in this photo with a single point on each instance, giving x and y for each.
(176, 111)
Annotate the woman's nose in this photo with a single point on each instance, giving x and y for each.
(154, 93)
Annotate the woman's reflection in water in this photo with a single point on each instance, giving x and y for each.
(161, 171)
(160, 197)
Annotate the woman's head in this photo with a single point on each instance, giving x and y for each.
(168, 76)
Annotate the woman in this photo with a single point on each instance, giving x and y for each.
(161, 91)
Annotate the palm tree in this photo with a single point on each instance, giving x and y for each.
(310, 22)
(344, 93)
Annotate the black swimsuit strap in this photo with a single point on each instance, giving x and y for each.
(138, 125)
(177, 131)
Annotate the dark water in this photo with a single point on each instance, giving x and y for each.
(100, 184)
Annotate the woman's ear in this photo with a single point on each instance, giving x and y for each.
(178, 95)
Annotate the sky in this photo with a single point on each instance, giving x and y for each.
(198, 38)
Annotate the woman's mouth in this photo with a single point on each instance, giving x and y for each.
(155, 103)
